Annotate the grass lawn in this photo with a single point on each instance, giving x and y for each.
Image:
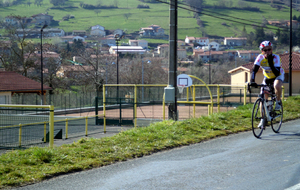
(19, 167)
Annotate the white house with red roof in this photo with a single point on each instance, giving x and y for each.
(203, 41)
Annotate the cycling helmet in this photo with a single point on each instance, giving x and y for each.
(265, 44)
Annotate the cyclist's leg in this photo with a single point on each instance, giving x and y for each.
(278, 88)
(261, 104)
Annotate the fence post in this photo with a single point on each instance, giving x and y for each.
(208, 111)
(51, 127)
(45, 132)
(218, 97)
(164, 107)
(104, 117)
(245, 94)
(67, 125)
(194, 99)
(135, 107)
(20, 135)
(86, 126)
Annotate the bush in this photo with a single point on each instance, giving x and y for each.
(143, 7)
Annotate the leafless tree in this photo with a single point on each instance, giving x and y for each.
(20, 56)
(147, 70)
(94, 65)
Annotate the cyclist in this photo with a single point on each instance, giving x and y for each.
(272, 71)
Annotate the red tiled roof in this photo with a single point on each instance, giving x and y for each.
(14, 82)
(285, 60)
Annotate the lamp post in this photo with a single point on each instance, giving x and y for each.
(42, 80)
(143, 78)
(117, 38)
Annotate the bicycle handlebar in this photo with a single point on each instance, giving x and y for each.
(258, 85)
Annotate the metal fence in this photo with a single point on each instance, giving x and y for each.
(27, 125)
(134, 104)
(22, 126)
(63, 101)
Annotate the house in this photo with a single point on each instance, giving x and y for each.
(284, 23)
(108, 40)
(97, 27)
(72, 38)
(118, 31)
(203, 41)
(276, 23)
(241, 75)
(81, 33)
(248, 55)
(11, 83)
(181, 54)
(235, 41)
(158, 31)
(13, 20)
(212, 55)
(75, 71)
(163, 51)
(5, 49)
(53, 32)
(41, 19)
(126, 49)
(232, 55)
(142, 43)
(212, 46)
(97, 30)
(295, 23)
(153, 30)
(36, 33)
(183, 45)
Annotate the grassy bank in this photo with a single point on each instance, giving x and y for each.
(21, 167)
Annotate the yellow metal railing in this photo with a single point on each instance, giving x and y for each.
(191, 89)
(78, 118)
(51, 120)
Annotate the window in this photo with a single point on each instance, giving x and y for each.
(246, 77)
(286, 77)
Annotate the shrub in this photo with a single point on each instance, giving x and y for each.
(143, 7)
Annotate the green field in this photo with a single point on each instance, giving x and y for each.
(157, 14)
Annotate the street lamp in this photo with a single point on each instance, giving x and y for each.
(143, 78)
(42, 80)
(117, 38)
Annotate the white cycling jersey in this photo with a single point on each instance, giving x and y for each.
(262, 61)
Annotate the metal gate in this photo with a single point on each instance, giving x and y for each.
(119, 111)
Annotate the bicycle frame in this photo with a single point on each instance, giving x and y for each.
(265, 105)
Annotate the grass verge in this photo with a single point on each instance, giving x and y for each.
(20, 167)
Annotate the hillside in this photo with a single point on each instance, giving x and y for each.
(158, 13)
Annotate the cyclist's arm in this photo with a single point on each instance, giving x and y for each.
(275, 70)
(254, 71)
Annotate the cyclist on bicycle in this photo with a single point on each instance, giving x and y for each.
(272, 71)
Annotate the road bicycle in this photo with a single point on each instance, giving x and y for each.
(265, 109)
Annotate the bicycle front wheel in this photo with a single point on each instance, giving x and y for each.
(258, 113)
(276, 121)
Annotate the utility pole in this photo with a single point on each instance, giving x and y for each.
(173, 58)
(291, 45)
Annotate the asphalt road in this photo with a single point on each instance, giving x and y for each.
(238, 161)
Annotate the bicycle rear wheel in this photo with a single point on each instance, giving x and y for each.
(258, 113)
(276, 119)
